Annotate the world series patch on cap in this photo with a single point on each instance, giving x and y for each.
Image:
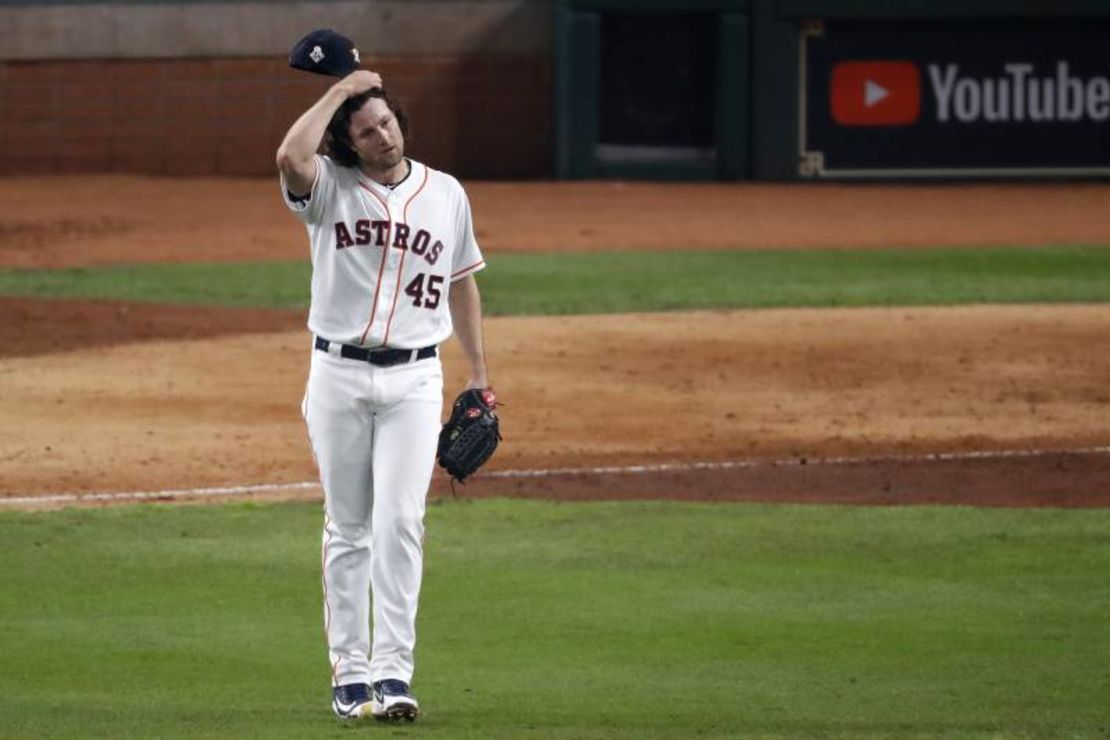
(325, 52)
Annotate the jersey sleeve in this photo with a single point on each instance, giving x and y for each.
(467, 258)
(310, 208)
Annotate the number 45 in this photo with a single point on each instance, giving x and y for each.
(416, 289)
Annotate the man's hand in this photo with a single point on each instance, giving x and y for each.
(359, 82)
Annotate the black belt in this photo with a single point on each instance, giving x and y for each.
(380, 357)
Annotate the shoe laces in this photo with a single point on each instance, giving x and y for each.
(394, 687)
(353, 693)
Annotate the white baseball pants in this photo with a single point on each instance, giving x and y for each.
(374, 432)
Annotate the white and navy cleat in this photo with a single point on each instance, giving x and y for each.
(390, 700)
(351, 701)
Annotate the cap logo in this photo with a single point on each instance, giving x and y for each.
(354, 53)
(317, 54)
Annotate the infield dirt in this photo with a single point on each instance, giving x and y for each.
(107, 397)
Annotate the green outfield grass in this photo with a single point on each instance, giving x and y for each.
(547, 620)
(614, 282)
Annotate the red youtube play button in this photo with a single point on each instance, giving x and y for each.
(882, 93)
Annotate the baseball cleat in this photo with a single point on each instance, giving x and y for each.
(390, 700)
(351, 701)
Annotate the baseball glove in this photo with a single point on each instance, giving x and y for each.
(471, 435)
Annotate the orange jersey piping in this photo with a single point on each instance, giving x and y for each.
(401, 267)
(465, 270)
(381, 266)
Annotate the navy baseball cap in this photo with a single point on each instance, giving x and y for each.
(325, 52)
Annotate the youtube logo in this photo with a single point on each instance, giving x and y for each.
(875, 93)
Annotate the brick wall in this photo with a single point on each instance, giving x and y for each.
(478, 116)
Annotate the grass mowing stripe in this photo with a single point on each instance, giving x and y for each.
(615, 282)
(554, 620)
(661, 281)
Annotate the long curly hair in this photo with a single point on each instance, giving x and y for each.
(337, 143)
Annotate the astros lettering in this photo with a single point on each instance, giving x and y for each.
(374, 232)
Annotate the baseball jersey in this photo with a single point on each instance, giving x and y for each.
(383, 258)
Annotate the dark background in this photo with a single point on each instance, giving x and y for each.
(981, 49)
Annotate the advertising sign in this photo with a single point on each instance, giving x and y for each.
(985, 98)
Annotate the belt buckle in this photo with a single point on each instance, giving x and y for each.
(378, 357)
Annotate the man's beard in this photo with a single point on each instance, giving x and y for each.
(385, 161)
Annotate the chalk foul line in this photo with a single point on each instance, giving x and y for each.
(173, 493)
(242, 490)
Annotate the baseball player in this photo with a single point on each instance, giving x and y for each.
(393, 264)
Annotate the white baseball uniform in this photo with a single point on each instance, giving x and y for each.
(383, 260)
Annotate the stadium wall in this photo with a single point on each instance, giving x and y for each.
(204, 87)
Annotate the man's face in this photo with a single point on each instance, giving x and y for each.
(376, 135)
